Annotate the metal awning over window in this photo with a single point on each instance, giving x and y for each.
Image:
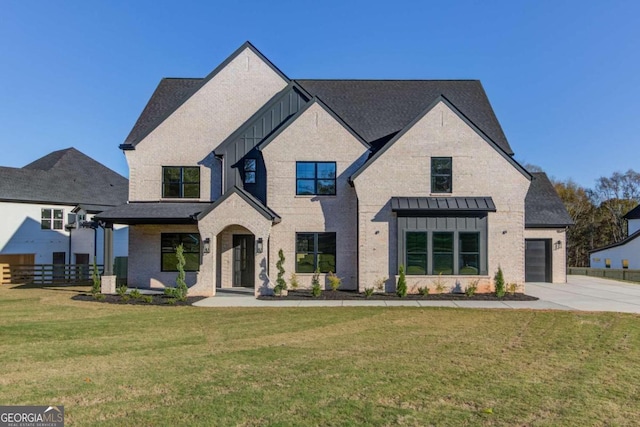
(442, 205)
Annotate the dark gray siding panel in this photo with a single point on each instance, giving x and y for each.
(254, 131)
(445, 223)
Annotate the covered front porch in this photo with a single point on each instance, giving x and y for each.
(226, 243)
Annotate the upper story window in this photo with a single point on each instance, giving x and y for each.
(315, 178)
(249, 171)
(181, 182)
(441, 175)
(51, 219)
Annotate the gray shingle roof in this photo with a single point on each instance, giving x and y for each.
(633, 213)
(64, 177)
(155, 213)
(543, 208)
(440, 204)
(376, 109)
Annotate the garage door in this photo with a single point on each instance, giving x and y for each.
(537, 264)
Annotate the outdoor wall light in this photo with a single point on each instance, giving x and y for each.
(259, 245)
(206, 245)
(557, 245)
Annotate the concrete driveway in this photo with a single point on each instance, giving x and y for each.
(587, 293)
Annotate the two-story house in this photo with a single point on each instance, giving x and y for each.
(47, 210)
(355, 177)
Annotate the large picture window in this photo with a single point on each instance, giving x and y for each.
(191, 245)
(427, 247)
(315, 251)
(315, 178)
(180, 182)
(441, 175)
(51, 219)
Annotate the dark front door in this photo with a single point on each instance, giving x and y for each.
(537, 263)
(243, 260)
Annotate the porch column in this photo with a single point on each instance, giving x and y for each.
(108, 282)
(108, 250)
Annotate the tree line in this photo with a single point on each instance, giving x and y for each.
(597, 212)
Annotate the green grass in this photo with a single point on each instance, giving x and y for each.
(154, 366)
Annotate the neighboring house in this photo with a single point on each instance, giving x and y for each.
(624, 254)
(47, 210)
(357, 177)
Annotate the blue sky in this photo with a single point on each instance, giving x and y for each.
(563, 76)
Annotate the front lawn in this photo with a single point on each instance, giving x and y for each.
(116, 365)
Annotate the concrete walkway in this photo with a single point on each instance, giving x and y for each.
(580, 293)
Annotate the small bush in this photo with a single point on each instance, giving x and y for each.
(334, 281)
(424, 291)
(171, 301)
(121, 290)
(316, 290)
(99, 297)
(499, 283)
(368, 292)
(512, 288)
(135, 294)
(125, 298)
(401, 289)
(147, 298)
(95, 278)
(293, 281)
(472, 288)
(439, 284)
(379, 284)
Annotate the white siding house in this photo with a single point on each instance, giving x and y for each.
(624, 254)
(47, 210)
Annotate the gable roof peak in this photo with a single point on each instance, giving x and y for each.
(172, 93)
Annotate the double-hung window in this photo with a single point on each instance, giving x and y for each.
(315, 178)
(315, 251)
(181, 182)
(191, 245)
(51, 219)
(441, 175)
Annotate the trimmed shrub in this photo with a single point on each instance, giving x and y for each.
(401, 289)
(316, 290)
(499, 283)
(281, 284)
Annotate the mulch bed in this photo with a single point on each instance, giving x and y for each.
(304, 294)
(155, 300)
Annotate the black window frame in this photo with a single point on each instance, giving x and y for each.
(420, 254)
(462, 253)
(456, 253)
(179, 237)
(181, 182)
(436, 174)
(55, 219)
(315, 179)
(315, 252)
